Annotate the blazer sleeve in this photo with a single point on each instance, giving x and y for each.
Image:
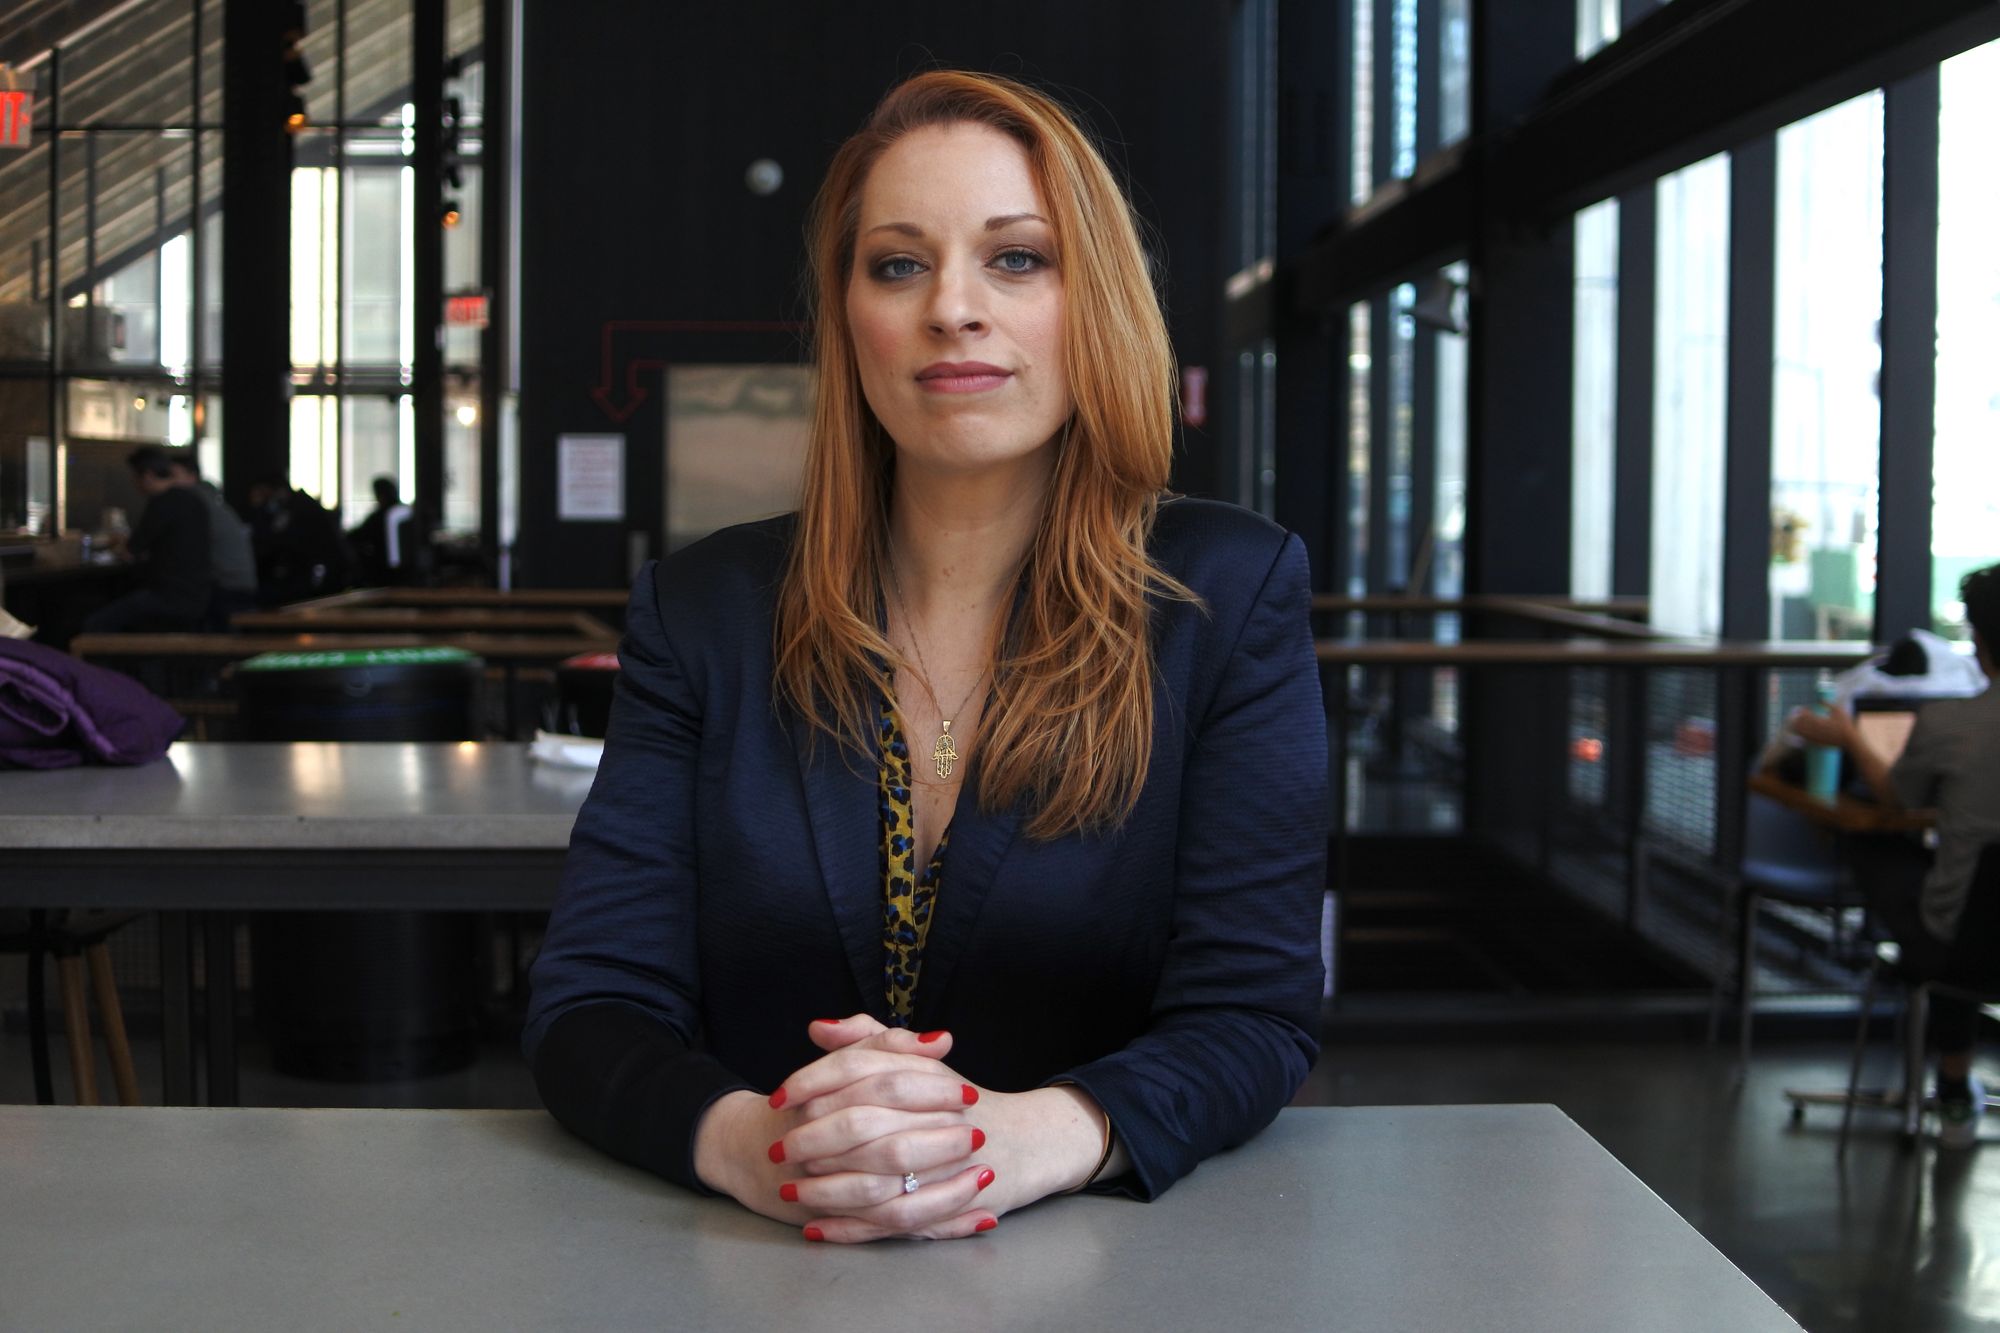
(1234, 1022)
(613, 1023)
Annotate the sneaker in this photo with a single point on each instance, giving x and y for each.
(1959, 1113)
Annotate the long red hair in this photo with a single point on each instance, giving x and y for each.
(1071, 722)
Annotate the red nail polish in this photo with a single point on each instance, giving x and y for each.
(928, 1037)
(830, 1022)
(985, 1179)
(790, 1192)
(968, 1093)
(778, 1151)
(978, 1142)
(814, 1233)
(778, 1099)
(987, 1224)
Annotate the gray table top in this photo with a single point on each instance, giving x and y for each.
(1476, 1217)
(220, 796)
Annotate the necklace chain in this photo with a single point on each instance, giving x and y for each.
(944, 754)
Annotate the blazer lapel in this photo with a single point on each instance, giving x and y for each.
(843, 806)
(979, 845)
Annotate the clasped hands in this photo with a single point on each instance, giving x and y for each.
(829, 1149)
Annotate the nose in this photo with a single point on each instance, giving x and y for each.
(956, 304)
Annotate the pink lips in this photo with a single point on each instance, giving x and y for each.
(961, 377)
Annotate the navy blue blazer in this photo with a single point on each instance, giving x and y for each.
(723, 886)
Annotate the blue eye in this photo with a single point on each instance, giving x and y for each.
(1018, 261)
(901, 266)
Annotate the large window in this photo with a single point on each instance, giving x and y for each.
(1826, 412)
(1594, 385)
(1965, 518)
(1454, 70)
(1689, 403)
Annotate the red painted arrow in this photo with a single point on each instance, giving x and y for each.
(621, 406)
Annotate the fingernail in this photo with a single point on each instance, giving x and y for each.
(790, 1192)
(966, 1092)
(985, 1179)
(978, 1142)
(830, 1022)
(778, 1099)
(778, 1150)
(987, 1224)
(814, 1233)
(930, 1036)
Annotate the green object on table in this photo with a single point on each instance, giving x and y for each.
(354, 657)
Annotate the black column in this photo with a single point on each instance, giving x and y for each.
(1909, 353)
(496, 184)
(427, 42)
(1632, 523)
(1518, 428)
(1314, 91)
(256, 261)
(1746, 494)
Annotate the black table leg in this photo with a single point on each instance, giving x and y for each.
(38, 1019)
(219, 953)
(176, 1011)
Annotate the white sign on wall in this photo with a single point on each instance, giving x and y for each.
(590, 478)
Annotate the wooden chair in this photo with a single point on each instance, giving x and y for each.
(71, 938)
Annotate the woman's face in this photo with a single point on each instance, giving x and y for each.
(955, 301)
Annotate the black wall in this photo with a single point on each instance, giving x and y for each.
(639, 120)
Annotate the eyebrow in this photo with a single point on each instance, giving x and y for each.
(992, 224)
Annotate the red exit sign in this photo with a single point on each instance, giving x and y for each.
(17, 106)
(465, 311)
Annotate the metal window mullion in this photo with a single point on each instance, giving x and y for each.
(1910, 182)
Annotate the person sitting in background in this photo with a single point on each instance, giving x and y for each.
(172, 550)
(298, 544)
(231, 560)
(388, 542)
(1951, 764)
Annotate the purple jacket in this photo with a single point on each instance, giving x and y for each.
(56, 712)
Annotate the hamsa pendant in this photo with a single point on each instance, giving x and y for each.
(944, 754)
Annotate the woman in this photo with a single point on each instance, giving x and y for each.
(984, 647)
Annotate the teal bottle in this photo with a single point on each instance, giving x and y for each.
(1823, 761)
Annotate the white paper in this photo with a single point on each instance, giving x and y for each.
(590, 478)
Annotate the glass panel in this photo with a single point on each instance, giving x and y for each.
(372, 427)
(1965, 517)
(1402, 438)
(1691, 364)
(322, 52)
(461, 458)
(315, 454)
(1594, 388)
(1596, 25)
(315, 265)
(1361, 182)
(1826, 411)
(1403, 133)
(1455, 70)
(1359, 433)
(736, 439)
(134, 70)
(24, 254)
(378, 62)
(464, 26)
(1448, 543)
(461, 268)
(211, 62)
(210, 246)
(27, 490)
(375, 272)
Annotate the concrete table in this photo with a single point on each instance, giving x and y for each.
(1494, 1218)
(303, 826)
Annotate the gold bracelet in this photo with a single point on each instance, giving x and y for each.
(1102, 1158)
